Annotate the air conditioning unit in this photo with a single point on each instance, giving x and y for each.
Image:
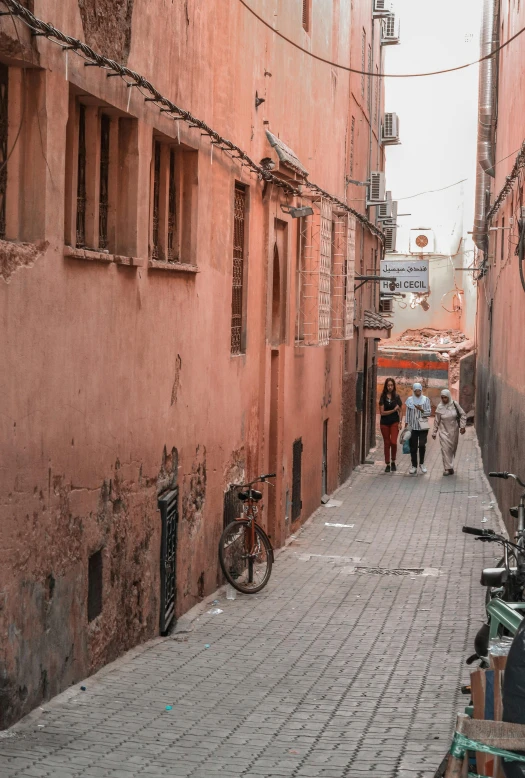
(386, 305)
(390, 132)
(377, 187)
(382, 7)
(384, 211)
(389, 30)
(390, 238)
(421, 241)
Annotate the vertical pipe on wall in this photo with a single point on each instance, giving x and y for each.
(487, 105)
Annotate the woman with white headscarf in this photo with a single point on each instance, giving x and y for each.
(450, 420)
(418, 410)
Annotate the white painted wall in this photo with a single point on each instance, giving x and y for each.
(438, 121)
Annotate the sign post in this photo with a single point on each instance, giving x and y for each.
(411, 275)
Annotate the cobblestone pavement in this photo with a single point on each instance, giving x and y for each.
(348, 664)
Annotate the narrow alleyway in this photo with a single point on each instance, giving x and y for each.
(348, 664)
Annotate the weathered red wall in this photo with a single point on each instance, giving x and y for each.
(500, 394)
(118, 381)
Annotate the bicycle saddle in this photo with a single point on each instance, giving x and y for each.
(493, 576)
(243, 496)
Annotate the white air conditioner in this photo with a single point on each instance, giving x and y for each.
(421, 241)
(386, 305)
(389, 30)
(390, 238)
(382, 7)
(384, 211)
(377, 187)
(390, 132)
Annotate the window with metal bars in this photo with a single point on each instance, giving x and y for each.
(156, 249)
(297, 459)
(306, 15)
(363, 62)
(352, 145)
(4, 122)
(81, 179)
(369, 81)
(103, 205)
(239, 238)
(172, 208)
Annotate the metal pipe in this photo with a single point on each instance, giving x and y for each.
(487, 106)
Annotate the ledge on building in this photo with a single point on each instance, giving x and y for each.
(176, 267)
(376, 326)
(90, 255)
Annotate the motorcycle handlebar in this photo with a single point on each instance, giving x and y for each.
(268, 475)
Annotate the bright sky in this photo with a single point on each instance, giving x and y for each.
(437, 114)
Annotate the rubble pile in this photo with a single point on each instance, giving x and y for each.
(427, 337)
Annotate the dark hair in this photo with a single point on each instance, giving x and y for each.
(385, 391)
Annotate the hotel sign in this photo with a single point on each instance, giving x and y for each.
(411, 276)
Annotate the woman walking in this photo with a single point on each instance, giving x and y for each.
(451, 421)
(389, 406)
(418, 410)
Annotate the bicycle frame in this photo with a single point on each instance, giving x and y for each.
(249, 512)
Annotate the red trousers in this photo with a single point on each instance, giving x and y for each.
(390, 433)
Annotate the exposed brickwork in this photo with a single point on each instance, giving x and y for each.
(107, 26)
(336, 669)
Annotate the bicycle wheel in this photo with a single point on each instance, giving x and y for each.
(247, 569)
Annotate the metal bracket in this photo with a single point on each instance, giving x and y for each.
(365, 279)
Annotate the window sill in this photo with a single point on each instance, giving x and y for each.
(101, 256)
(175, 267)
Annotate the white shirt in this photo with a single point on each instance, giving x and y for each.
(413, 415)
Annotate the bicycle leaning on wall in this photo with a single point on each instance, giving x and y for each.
(245, 550)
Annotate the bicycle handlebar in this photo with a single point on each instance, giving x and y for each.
(476, 531)
(506, 475)
(261, 478)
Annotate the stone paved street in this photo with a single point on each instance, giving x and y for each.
(348, 664)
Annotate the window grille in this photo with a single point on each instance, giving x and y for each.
(352, 144)
(350, 277)
(94, 585)
(369, 81)
(4, 96)
(155, 253)
(238, 268)
(105, 124)
(81, 183)
(325, 269)
(297, 458)
(172, 254)
(363, 55)
(169, 514)
(306, 15)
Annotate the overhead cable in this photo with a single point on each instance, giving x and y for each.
(131, 79)
(378, 75)
(519, 164)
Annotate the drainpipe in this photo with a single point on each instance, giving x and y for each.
(487, 108)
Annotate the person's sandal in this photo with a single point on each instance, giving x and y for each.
(387, 469)
(393, 467)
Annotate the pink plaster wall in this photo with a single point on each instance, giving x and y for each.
(118, 381)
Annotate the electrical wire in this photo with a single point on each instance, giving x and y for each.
(131, 78)
(380, 75)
